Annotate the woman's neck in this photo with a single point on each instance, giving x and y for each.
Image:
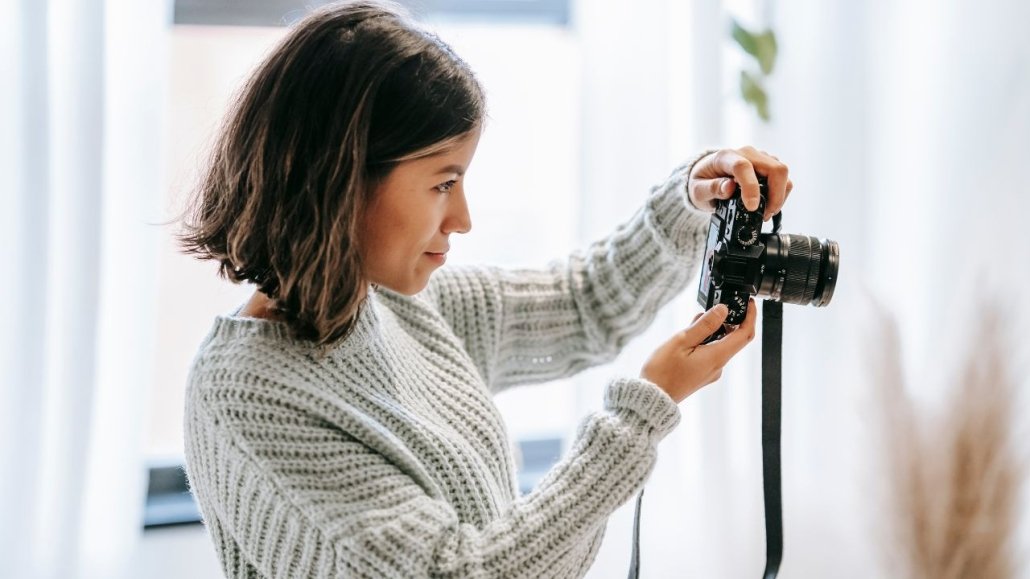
(260, 306)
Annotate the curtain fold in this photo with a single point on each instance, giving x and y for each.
(24, 171)
(80, 165)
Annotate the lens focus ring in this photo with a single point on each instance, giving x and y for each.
(803, 262)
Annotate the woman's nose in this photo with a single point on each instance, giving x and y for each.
(458, 218)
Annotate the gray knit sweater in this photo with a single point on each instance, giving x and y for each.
(388, 457)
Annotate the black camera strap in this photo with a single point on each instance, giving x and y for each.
(772, 373)
(772, 350)
(634, 561)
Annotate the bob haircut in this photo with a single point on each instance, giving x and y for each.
(354, 89)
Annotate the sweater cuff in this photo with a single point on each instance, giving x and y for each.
(681, 225)
(645, 400)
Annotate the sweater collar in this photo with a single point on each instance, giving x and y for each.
(233, 326)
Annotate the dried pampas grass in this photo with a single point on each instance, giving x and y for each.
(954, 475)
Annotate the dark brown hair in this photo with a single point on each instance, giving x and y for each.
(354, 89)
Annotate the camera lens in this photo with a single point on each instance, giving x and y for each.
(799, 269)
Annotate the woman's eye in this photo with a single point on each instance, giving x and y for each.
(446, 187)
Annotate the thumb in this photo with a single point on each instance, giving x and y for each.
(727, 188)
(708, 191)
(705, 325)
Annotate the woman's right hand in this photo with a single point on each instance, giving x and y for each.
(682, 365)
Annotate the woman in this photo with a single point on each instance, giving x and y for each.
(341, 422)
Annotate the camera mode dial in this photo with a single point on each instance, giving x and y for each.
(747, 234)
(738, 300)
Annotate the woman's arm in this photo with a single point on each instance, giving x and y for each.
(286, 493)
(523, 326)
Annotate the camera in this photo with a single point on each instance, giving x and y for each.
(741, 261)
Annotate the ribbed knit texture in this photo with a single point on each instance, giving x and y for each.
(388, 457)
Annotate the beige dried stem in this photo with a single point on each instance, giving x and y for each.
(907, 468)
(954, 479)
(979, 514)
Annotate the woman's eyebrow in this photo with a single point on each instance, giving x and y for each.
(452, 169)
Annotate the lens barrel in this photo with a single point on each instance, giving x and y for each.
(799, 269)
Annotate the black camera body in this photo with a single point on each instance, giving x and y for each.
(741, 261)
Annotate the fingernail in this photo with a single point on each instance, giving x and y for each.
(721, 308)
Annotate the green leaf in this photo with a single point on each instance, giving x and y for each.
(745, 39)
(761, 46)
(753, 93)
(766, 51)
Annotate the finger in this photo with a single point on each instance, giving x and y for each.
(711, 378)
(786, 195)
(705, 325)
(729, 187)
(790, 187)
(776, 175)
(707, 191)
(743, 171)
(728, 346)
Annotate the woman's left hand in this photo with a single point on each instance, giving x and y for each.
(716, 176)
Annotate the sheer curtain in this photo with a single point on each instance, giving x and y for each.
(905, 129)
(80, 179)
(907, 126)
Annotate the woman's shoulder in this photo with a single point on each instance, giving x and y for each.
(248, 345)
(254, 367)
(242, 349)
(240, 334)
(240, 344)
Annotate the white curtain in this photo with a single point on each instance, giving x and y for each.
(906, 131)
(80, 181)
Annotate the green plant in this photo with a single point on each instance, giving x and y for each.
(762, 46)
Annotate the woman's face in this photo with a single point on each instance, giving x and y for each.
(405, 231)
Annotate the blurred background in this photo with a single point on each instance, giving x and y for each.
(905, 129)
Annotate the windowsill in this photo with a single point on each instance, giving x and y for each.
(169, 501)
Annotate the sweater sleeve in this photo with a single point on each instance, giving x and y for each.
(284, 493)
(526, 326)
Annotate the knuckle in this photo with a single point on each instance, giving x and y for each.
(740, 164)
(712, 378)
(719, 158)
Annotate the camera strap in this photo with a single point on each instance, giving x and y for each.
(772, 373)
